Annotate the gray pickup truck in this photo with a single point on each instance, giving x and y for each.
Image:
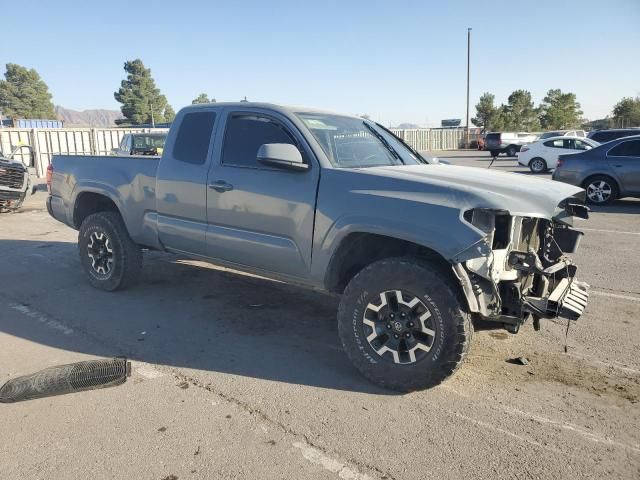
(418, 250)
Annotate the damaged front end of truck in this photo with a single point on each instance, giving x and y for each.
(521, 268)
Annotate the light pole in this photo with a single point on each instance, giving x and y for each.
(468, 68)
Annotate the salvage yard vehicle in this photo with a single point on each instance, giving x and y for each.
(562, 133)
(141, 144)
(542, 155)
(508, 143)
(608, 134)
(15, 180)
(336, 203)
(608, 172)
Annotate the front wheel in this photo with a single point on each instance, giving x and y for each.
(111, 259)
(538, 165)
(511, 151)
(402, 324)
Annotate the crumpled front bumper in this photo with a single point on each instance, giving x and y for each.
(567, 300)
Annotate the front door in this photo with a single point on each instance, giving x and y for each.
(260, 216)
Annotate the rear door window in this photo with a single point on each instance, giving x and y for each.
(194, 136)
(630, 148)
(246, 133)
(580, 145)
(558, 143)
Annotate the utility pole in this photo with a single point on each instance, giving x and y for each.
(468, 68)
(153, 122)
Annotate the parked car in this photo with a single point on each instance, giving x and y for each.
(509, 143)
(607, 172)
(603, 136)
(336, 203)
(141, 144)
(15, 179)
(542, 155)
(563, 133)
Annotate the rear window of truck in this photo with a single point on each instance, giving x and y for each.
(194, 135)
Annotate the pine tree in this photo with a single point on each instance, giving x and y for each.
(141, 100)
(23, 94)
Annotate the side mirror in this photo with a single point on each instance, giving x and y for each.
(281, 155)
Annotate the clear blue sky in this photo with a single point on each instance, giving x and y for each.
(400, 61)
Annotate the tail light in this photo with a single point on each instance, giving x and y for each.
(524, 149)
(49, 176)
(560, 162)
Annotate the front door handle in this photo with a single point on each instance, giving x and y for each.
(221, 186)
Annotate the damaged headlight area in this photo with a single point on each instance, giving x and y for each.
(521, 267)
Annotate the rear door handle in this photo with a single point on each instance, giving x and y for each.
(221, 186)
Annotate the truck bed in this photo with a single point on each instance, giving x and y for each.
(129, 181)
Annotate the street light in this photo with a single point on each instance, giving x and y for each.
(468, 68)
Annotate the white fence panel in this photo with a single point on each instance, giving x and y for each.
(424, 139)
(47, 142)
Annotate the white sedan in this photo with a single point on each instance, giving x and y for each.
(542, 155)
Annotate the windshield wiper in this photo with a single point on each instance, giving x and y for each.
(410, 148)
(376, 134)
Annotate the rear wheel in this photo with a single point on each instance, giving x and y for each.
(601, 190)
(538, 165)
(402, 324)
(111, 259)
(511, 151)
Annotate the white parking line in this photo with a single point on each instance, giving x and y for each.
(41, 317)
(317, 456)
(502, 431)
(607, 231)
(147, 370)
(614, 295)
(583, 432)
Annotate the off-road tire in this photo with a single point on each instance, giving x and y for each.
(538, 165)
(127, 255)
(450, 320)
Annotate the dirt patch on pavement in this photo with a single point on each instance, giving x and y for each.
(489, 359)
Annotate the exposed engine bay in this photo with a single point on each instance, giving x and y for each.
(522, 268)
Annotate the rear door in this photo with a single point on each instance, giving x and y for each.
(624, 159)
(553, 148)
(260, 216)
(181, 186)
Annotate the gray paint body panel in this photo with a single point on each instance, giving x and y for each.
(288, 224)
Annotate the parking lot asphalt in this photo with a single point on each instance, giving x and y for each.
(240, 377)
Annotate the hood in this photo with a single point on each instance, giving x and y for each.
(6, 162)
(471, 187)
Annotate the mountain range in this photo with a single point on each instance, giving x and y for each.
(87, 118)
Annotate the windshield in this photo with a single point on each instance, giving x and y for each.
(356, 143)
(151, 141)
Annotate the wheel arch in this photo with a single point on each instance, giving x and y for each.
(359, 249)
(89, 202)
